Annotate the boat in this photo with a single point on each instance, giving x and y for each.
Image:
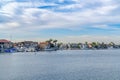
(51, 49)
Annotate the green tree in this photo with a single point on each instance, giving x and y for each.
(94, 44)
(55, 41)
(49, 41)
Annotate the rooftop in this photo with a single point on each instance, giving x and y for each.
(4, 40)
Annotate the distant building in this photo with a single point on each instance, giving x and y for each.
(5, 44)
(26, 46)
(30, 43)
(43, 45)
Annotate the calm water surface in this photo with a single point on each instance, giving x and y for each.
(61, 65)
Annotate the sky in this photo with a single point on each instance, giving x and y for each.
(64, 20)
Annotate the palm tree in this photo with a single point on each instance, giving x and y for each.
(50, 40)
(55, 41)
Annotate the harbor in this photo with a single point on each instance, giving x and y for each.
(7, 46)
(59, 39)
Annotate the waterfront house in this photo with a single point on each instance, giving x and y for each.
(48, 46)
(75, 46)
(5, 44)
(26, 46)
(43, 45)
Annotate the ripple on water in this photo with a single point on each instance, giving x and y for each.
(61, 65)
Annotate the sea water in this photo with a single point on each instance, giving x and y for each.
(61, 65)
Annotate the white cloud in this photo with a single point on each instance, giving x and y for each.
(101, 26)
(106, 9)
(27, 16)
(9, 9)
(72, 6)
(43, 17)
(61, 1)
(9, 25)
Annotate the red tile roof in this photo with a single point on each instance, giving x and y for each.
(4, 40)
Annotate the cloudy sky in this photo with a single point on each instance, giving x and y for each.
(65, 20)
